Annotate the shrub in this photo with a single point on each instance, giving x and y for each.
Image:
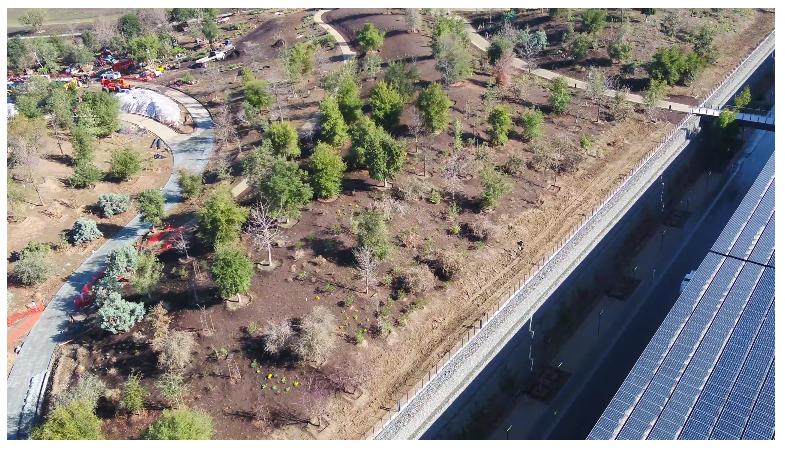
(370, 38)
(191, 184)
(257, 94)
(117, 315)
(532, 121)
(34, 264)
(134, 394)
(84, 231)
(174, 351)
(181, 424)
(402, 78)
(674, 65)
(172, 387)
(446, 264)
(121, 261)
(386, 105)
(500, 122)
(585, 141)
(105, 287)
(105, 109)
(480, 229)
(151, 206)
(593, 19)
(347, 93)
(284, 140)
(298, 60)
(435, 197)
(89, 388)
(514, 166)
(619, 50)
(76, 421)
(147, 273)
(315, 342)
(125, 164)
(332, 125)
(417, 280)
(86, 174)
(232, 271)
(579, 46)
(326, 168)
(372, 233)
(286, 188)
(113, 204)
(278, 337)
(220, 218)
(493, 187)
(434, 107)
(560, 96)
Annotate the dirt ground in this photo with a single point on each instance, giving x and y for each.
(229, 375)
(63, 205)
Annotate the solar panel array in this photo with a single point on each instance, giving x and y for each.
(708, 372)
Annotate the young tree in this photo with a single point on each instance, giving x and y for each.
(434, 105)
(402, 78)
(134, 393)
(347, 94)
(232, 271)
(621, 108)
(117, 315)
(579, 46)
(598, 83)
(84, 231)
(367, 264)
(284, 140)
(386, 105)
(257, 93)
(530, 44)
(653, 96)
(453, 59)
(220, 218)
(331, 123)
(191, 184)
(125, 164)
(593, 20)
(147, 274)
(105, 109)
(113, 204)
(675, 66)
(24, 147)
(210, 31)
(34, 265)
(181, 424)
(413, 20)
(619, 50)
(372, 233)
(326, 168)
(263, 228)
(286, 189)
(560, 96)
(33, 18)
(532, 121)
(370, 38)
(122, 261)
(298, 61)
(494, 186)
(129, 26)
(386, 159)
(75, 421)
(500, 121)
(743, 99)
(151, 206)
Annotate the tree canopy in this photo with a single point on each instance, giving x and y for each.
(220, 218)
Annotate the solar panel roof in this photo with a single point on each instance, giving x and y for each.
(708, 372)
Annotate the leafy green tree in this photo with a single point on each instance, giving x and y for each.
(48, 55)
(726, 118)
(75, 421)
(85, 175)
(147, 273)
(74, 55)
(89, 40)
(500, 45)
(151, 206)
(560, 96)
(286, 189)
(703, 43)
(181, 424)
(594, 19)
(326, 169)
(332, 125)
(82, 142)
(500, 121)
(257, 165)
(191, 184)
(210, 31)
(675, 66)
(117, 315)
(284, 140)
(298, 60)
(134, 393)
(579, 46)
(220, 218)
(125, 163)
(370, 38)
(434, 107)
(532, 121)
(493, 185)
(34, 265)
(31, 98)
(183, 14)
(129, 26)
(453, 59)
(619, 50)
(232, 271)
(386, 105)
(743, 99)
(372, 233)
(347, 94)
(145, 49)
(105, 109)
(257, 93)
(374, 148)
(59, 103)
(19, 55)
(654, 94)
(84, 230)
(402, 77)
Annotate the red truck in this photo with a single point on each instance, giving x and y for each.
(123, 66)
(115, 84)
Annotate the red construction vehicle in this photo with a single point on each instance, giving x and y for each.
(115, 85)
(123, 65)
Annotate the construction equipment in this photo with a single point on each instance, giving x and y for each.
(115, 84)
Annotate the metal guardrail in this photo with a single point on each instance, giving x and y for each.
(396, 408)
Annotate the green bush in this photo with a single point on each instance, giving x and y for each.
(675, 66)
(386, 105)
(151, 206)
(434, 107)
(298, 60)
(370, 38)
(372, 233)
(532, 121)
(86, 174)
(191, 184)
(117, 315)
(493, 185)
(500, 121)
(560, 96)
(181, 424)
(113, 204)
(579, 46)
(257, 93)
(332, 125)
(76, 421)
(84, 230)
(125, 164)
(105, 109)
(220, 218)
(619, 50)
(326, 168)
(147, 273)
(286, 188)
(121, 261)
(34, 265)
(402, 78)
(593, 19)
(134, 394)
(347, 93)
(283, 138)
(232, 271)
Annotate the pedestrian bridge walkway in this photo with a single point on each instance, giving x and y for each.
(763, 120)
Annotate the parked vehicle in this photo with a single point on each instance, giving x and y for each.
(123, 65)
(115, 84)
(212, 56)
(111, 75)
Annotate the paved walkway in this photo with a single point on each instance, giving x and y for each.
(346, 51)
(28, 377)
(481, 43)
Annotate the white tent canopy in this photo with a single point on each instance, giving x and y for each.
(150, 104)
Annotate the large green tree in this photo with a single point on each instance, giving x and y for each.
(286, 189)
(434, 107)
(221, 218)
(232, 271)
(332, 125)
(326, 168)
(370, 38)
(386, 105)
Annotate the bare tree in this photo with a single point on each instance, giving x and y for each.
(366, 264)
(278, 337)
(181, 244)
(454, 168)
(151, 19)
(418, 128)
(263, 228)
(24, 145)
(105, 29)
(413, 19)
(598, 85)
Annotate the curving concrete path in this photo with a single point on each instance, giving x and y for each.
(346, 51)
(29, 376)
